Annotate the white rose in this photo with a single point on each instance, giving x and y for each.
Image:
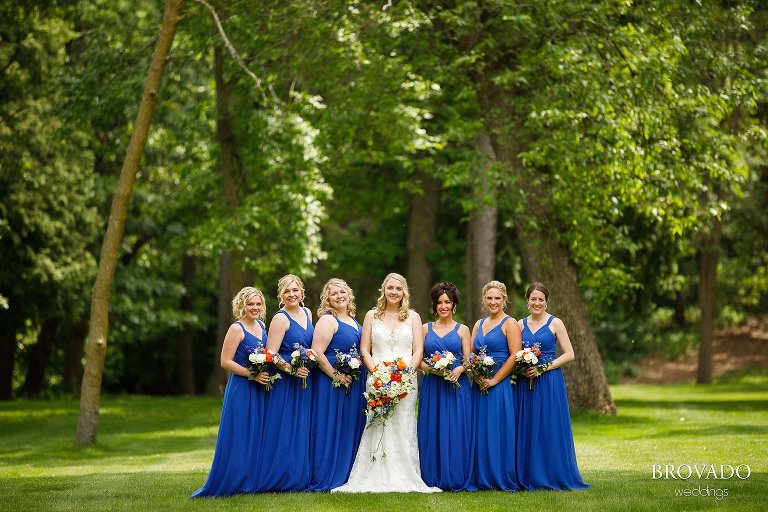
(260, 358)
(519, 354)
(385, 377)
(354, 363)
(252, 357)
(530, 358)
(488, 361)
(295, 353)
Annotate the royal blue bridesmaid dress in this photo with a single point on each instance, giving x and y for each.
(337, 416)
(241, 429)
(493, 421)
(284, 464)
(546, 458)
(445, 421)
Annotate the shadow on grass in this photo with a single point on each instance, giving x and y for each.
(704, 404)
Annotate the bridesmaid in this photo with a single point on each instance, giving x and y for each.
(493, 414)
(285, 459)
(337, 419)
(546, 458)
(241, 430)
(444, 426)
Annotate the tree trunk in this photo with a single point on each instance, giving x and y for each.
(481, 235)
(710, 251)
(7, 355)
(98, 326)
(547, 261)
(185, 368)
(421, 241)
(73, 358)
(229, 277)
(39, 355)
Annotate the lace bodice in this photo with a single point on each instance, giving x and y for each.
(387, 344)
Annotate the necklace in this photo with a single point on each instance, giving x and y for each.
(391, 314)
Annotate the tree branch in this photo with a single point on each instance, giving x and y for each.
(232, 51)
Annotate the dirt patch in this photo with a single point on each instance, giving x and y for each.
(732, 348)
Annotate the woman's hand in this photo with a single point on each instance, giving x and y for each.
(456, 373)
(302, 372)
(342, 378)
(262, 378)
(486, 384)
(532, 372)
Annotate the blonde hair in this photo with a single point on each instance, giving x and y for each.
(283, 284)
(242, 298)
(381, 302)
(502, 288)
(325, 303)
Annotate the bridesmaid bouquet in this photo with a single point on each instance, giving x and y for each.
(263, 360)
(348, 363)
(481, 366)
(389, 383)
(441, 362)
(302, 357)
(528, 358)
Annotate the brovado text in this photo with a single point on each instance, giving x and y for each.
(700, 471)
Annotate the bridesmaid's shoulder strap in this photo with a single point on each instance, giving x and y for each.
(456, 327)
(525, 322)
(263, 327)
(504, 319)
(429, 326)
(306, 313)
(242, 327)
(551, 317)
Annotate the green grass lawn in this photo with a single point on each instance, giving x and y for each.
(153, 452)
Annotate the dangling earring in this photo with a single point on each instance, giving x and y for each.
(454, 310)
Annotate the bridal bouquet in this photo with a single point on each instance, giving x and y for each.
(263, 360)
(389, 383)
(348, 363)
(302, 357)
(481, 366)
(526, 358)
(441, 363)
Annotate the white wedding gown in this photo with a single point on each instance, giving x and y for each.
(399, 471)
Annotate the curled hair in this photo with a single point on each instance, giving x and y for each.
(448, 289)
(502, 288)
(242, 298)
(325, 299)
(283, 284)
(537, 286)
(381, 302)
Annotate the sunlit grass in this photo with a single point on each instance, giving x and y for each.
(153, 452)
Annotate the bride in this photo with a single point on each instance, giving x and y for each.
(392, 331)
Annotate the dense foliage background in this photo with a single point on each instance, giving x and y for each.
(443, 140)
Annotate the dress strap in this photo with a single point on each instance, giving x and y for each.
(429, 327)
(306, 314)
(242, 327)
(504, 320)
(525, 323)
(551, 317)
(456, 327)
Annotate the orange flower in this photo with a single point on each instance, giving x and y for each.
(401, 365)
(372, 403)
(269, 358)
(402, 396)
(435, 358)
(377, 383)
(387, 363)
